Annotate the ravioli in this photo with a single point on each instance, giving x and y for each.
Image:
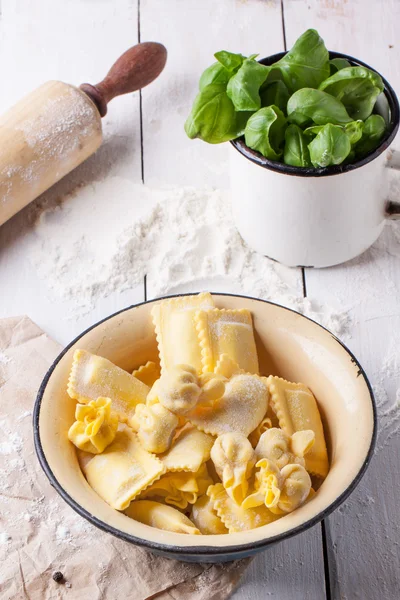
(93, 377)
(148, 373)
(240, 409)
(176, 332)
(161, 516)
(188, 452)
(227, 332)
(234, 517)
(123, 470)
(297, 410)
(205, 517)
(180, 488)
(200, 444)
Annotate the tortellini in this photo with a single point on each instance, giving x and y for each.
(267, 486)
(155, 426)
(233, 457)
(197, 442)
(95, 426)
(212, 389)
(282, 449)
(178, 389)
(282, 491)
(295, 488)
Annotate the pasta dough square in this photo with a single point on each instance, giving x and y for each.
(189, 451)
(93, 377)
(230, 332)
(297, 410)
(123, 470)
(176, 330)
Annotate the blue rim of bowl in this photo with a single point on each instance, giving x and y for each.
(198, 550)
(278, 167)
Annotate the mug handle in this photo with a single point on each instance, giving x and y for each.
(392, 207)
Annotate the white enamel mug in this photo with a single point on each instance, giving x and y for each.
(314, 217)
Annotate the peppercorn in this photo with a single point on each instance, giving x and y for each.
(58, 577)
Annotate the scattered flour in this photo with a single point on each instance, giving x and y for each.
(4, 359)
(62, 533)
(24, 415)
(4, 537)
(13, 443)
(182, 236)
(386, 395)
(109, 237)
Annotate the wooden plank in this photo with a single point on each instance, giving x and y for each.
(287, 570)
(292, 569)
(73, 41)
(363, 534)
(192, 32)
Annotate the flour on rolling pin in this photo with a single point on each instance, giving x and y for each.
(57, 126)
(44, 137)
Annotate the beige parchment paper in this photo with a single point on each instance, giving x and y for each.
(41, 534)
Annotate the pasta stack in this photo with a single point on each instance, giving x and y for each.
(201, 443)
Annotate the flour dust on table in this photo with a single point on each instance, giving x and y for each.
(85, 249)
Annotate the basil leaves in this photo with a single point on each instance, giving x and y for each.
(216, 73)
(373, 132)
(306, 64)
(296, 151)
(265, 132)
(357, 88)
(243, 88)
(304, 110)
(331, 146)
(213, 117)
(308, 106)
(338, 63)
(276, 93)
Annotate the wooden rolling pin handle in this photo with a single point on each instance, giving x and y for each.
(135, 69)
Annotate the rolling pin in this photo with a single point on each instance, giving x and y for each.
(57, 126)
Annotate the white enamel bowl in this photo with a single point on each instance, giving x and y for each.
(289, 345)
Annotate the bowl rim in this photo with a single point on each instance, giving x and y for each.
(279, 167)
(198, 550)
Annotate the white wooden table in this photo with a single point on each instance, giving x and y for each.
(355, 552)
